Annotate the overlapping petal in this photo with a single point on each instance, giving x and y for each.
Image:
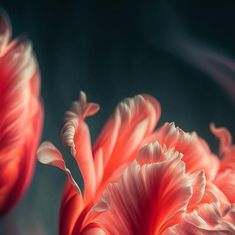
(133, 120)
(197, 154)
(207, 220)
(131, 123)
(149, 197)
(141, 181)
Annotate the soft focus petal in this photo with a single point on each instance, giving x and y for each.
(93, 231)
(5, 31)
(21, 115)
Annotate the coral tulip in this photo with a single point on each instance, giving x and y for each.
(138, 180)
(21, 115)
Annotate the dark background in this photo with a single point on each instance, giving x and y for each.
(115, 49)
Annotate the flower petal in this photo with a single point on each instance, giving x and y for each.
(197, 154)
(225, 181)
(48, 154)
(133, 120)
(27, 155)
(207, 220)
(224, 136)
(71, 208)
(72, 198)
(147, 199)
(75, 134)
(5, 31)
(21, 115)
(199, 186)
(227, 149)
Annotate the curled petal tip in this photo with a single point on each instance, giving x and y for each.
(224, 137)
(79, 111)
(48, 154)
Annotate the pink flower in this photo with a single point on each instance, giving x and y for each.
(138, 180)
(21, 116)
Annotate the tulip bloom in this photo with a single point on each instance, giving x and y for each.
(21, 116)
(138, 180)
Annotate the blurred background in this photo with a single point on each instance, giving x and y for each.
(181, 52)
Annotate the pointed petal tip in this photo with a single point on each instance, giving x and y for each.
(82, 97)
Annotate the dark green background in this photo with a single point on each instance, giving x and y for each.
(112, 50)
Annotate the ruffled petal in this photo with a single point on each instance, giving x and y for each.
(207, 220)
(196, 153)
(148, 198)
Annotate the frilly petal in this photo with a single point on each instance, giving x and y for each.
(161, 192)
(207, 220)
(196, 153)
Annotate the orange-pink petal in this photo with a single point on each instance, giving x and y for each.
(207, 220)
(196, 153)
(48, 154)
(148, 198)
(75, 134)
(133, 120)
